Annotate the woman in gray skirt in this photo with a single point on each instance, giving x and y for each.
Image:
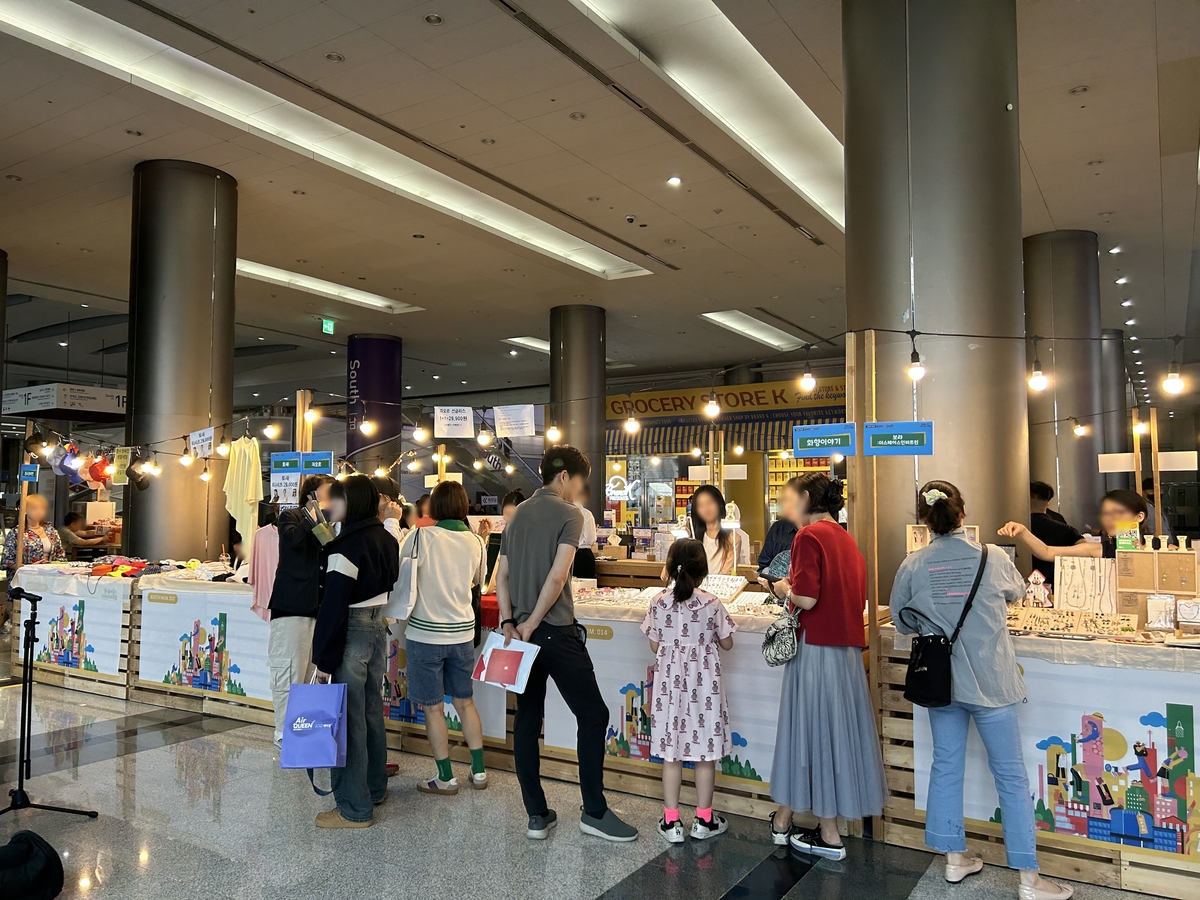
(827, 756)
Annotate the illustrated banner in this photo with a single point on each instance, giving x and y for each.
(490, 701)
(80, 628)
(622, 659)
(1118, 767)
(204, 638)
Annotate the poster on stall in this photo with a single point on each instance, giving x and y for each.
(203, 637)
(1110, 755)
(623, 663)
(285, 479)
(121, 456)
(201, 443)
(80, 620)
(490, 700)
(453, 422)
(514, 421)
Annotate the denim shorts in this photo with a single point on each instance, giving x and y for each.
(437, 670)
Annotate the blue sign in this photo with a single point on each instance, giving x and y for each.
(29, 472)
(317, 463)
(810, 441)
(285, 462)
(898, 438)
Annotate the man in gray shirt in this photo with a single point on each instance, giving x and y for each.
(533, 588)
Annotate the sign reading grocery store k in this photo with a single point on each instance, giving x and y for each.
(734, 398)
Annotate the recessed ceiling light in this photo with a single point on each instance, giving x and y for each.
(1105, 214)
(1114, 249)
(593, 199)
(1133, 337)
(674, 181)
(488, 141)
(320, 287)
(133, 132)
(299, 193)
(261, 338)
(335, 57)
(1121, 280)
(1131, 321)
(62, 343)
(1127, 303)
(408, 387)
(436, 377)
(513, 352)
(433, 19)
(747, 326)
(334, 352)
(577, 116)
(464, 382)
(1080, 89)
(1095, 162)
(1143, 381)
(1137, 351)
(255, 394)
(84, 305)
(14, 177)
(85, 250)
(419, 237)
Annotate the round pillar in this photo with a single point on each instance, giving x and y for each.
(181, 317)
(1062, 307)
(933, 243)
(1114, 399)
(577, 383)
(374, 389)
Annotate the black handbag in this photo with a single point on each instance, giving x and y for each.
(928, 681)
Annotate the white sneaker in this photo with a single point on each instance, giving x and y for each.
(479, 781)
(779, 838)
(673, 833)
(702, 831)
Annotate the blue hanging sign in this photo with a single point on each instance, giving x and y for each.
(810, 441)
(898, 438)
(317, 463)
(29, 472)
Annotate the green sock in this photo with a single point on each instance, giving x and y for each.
(477, 761)
(445, 773)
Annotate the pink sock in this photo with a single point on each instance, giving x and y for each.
(705, 814)
(670, 816)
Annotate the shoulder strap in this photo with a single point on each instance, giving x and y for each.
(971, 596)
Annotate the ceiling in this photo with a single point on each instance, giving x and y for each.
(523, 108)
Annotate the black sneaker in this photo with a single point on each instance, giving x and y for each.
(810, 841)
(702, 831)
(539, 826)
(608, 826)
(779, 838)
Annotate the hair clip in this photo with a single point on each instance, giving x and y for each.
(933, 495)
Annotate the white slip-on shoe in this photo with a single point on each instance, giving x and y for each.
(1047, 890)
(956, 874)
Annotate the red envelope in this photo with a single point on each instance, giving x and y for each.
(503, 666)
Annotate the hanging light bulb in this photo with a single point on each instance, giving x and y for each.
(223, 447)
(76, 463)
(311, 415)
(341, 475)
(435, 457)
(654, 460)
(739, 450)
(712, 408)
(616, 467)
(366, 426)
(553, 435)
(186, 459)
(419, 434)
(414, 466)
(1037, 380)
(1141, 428)
(916, 371)
(110, 470)
(206, 475)
(380, 472)
(632, 425)
(509, 468)
(1173, 383)
(807, 382)
(484, 437)
(477, 465)
(157, 470)
(270, 431)
(1079, 428)
(696, 451)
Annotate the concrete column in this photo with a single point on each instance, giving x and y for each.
(1114, 394)
(1062, 300)
(374, 388)
(577, 383)
(933, 243)
(181, 315)
(742, 375)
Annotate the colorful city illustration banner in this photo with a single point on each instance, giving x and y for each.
(623, 662)
(81, 633)
(204, 642)
(1110, 755)
(489, 700)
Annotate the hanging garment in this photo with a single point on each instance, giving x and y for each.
(264, 560)
(243, 489)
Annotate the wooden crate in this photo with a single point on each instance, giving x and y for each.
(1062, 856)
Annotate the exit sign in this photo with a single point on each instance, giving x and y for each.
(327, 326)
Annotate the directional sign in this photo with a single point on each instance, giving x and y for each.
(810, 441)
(898, 438)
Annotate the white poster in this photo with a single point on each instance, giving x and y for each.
(121, 457)
(1110, 755)
(453, 422)
(622, 659)
(202, 636)
(514, 421)
(201, 443)
(490, 701)
(79, 620)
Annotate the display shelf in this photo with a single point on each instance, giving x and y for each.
(781, 469)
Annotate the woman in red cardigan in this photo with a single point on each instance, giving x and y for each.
(827, 756)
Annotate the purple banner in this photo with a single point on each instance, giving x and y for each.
(374, 389)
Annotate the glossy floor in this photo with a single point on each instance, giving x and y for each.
(196, 807)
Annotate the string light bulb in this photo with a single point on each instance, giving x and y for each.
(366, 426)
(419, 434)
(1173, 383)
(76, 463)
(712, 408)
(484, 437)
(186, 459)
(654, 460)
(696, 451)
(632, 425)
(341, 475)
(311, 415)
(807, 382)
(553, 435)
(223, 447)
(1141, 428)
(1037, 380)
(110, 470)
(477, 465)
(739, 450)
(155, 468)
(1079, 428)
(380, 472)
(414, 466)
(270, 431)
(509, 468)
(916, 371)
(206, 475)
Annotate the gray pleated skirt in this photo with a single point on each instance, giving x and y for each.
(827, 756)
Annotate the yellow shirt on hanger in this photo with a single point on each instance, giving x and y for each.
(244, 489)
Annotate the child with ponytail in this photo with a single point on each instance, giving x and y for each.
(689, 722)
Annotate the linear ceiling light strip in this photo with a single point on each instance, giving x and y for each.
(320, 287)
(100, 43)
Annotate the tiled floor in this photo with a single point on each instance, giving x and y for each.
(194, 807)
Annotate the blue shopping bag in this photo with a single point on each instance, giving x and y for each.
(314, 729)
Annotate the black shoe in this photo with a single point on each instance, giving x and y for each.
(608, 826)
(539, 826)
(779, 838)
(810, 841)
(672, 833)
(702, 830)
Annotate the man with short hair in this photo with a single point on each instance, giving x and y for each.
(74, 533)
(1048, 526)
(1152, 514)
(533, 588)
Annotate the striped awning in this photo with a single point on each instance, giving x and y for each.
(677, 439)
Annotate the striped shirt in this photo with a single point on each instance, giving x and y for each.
(449, 563)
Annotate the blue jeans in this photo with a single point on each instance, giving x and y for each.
(364, 777)
(997, 727)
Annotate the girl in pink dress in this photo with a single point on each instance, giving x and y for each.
(688, 718)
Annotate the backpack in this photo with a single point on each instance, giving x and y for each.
(30, 868)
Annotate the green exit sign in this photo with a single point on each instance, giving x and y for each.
(327, 326)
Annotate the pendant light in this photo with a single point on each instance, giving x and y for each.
(311, 415)
(223, 447)
(553, 435)
(916, 369)
(206, 475)
(1079, 428)
(270, 431)
(186, 459)
(712, 408)
(1173, 383)
(1037, 380)
(485, 436)
(632, 425)
(807, 382)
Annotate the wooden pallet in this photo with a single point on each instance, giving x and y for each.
(1062, 856)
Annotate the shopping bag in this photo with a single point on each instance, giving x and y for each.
(505, 667)
(314, 729)
(404, 592)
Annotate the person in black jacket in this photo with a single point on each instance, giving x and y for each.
(349, 644)
(295, 595)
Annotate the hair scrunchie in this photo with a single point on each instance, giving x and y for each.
(933, 495)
